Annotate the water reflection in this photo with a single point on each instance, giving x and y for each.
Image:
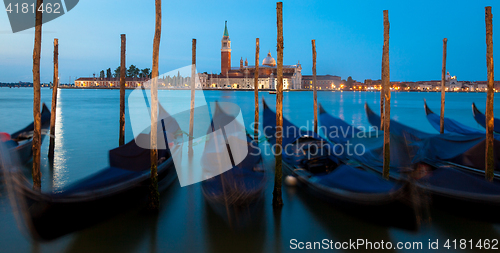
(153, 232)
(341, 226)
(35, 247)
(185, 222)
(341, 106)
(123, 233)
(58, 169)
(133, 231)
(455, 227)
(277, 229)
(357, 119)
(222, 237)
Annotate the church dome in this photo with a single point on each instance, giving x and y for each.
(269, 60)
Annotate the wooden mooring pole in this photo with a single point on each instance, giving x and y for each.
(443, 82)
(154, 195)
(37, 132)
(490, 166)
(123, 75)
(382, 94)
(256, 90)
(277, 200)
(386, 82)
(193, 83)
(55, 85)
(315, 95)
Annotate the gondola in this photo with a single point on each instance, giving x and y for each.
(454, 127)
(450, 125)
(122, 186)
(21, 142)
(481, 119)
(466, 152)
(313, 161)
(456, 190)
(237, 194)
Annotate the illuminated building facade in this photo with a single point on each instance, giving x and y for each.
(242, 77)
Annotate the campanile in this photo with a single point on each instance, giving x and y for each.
(225, 53)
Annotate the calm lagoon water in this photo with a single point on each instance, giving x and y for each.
(87, 127)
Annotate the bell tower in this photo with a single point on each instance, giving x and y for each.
(225, 51)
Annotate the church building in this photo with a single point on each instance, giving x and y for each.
(242, 76)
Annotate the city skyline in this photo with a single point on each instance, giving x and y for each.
(348, 38)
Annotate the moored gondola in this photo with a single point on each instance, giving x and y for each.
(463, 151)
(481, 119)
(452, 188)
(122, 186)
(450, 125)
(21, 142)
(315, 163)
(236, 194)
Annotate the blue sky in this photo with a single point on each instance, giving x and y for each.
(349, 37)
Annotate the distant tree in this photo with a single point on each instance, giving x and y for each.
(117, 72)
(101, 74)
(145, 73)
(130, 71)
(133, 71)
(136, 72)
(108, 73)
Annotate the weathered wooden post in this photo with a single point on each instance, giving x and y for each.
(443, 80)
(256, 90)
(55, 85)
(37, 132)
(490, 166)
(123, 75)
(315, 95)
(382, 94)
(277, 200)
(154, 195)
(193, 83)
(386, 82)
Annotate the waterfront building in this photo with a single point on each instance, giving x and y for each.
(452, 83)
(481, 86)
(425, 87)
(323, 82)
(96, 82)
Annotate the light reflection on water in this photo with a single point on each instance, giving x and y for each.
(87, 127)
(59, 167)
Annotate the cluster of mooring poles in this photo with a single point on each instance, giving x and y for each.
(385, 99)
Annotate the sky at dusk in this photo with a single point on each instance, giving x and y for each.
(349, 37)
